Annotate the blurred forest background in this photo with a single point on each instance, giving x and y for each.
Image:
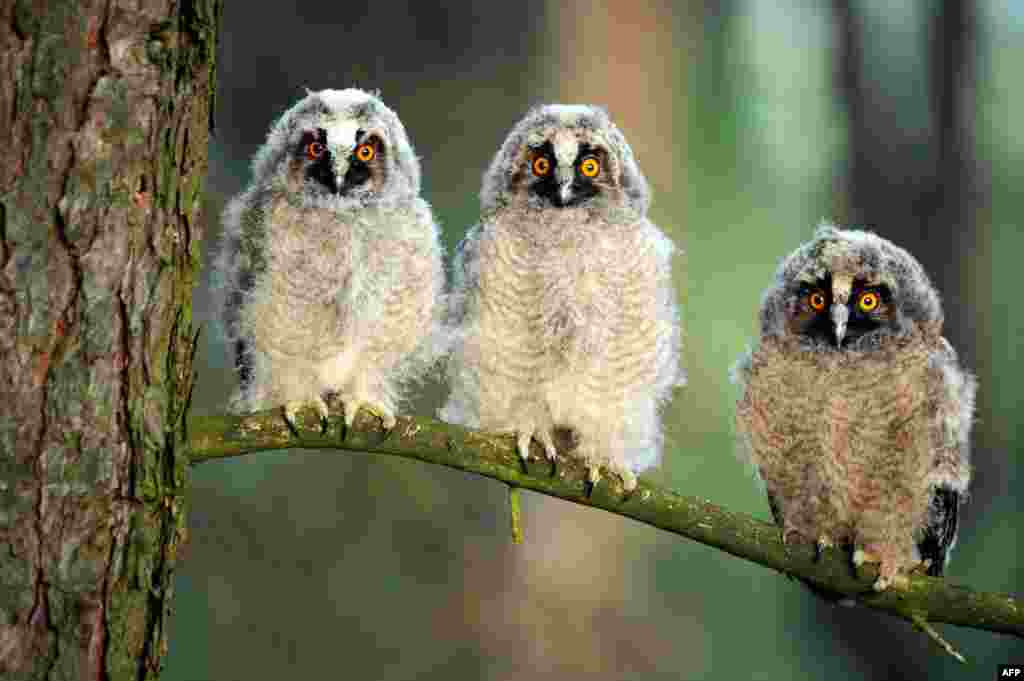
(753, 121)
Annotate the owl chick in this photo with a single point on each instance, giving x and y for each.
(330, 262)
(563, 303)
(855, 411)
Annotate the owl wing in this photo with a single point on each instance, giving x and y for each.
(739, 375)
(671, 373)
(239, 261)
(954, 390)
(940, 531)
(462, 405)
(465, 276)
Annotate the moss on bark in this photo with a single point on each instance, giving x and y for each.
(105, 111)
(495, 456)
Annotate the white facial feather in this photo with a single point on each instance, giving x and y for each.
(341, 136)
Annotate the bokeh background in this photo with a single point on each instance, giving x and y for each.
(753, 121)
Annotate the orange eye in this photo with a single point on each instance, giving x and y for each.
(541, 166)
(817, 301)
(365, 152)
(868, 301)
(590, 167)
(314, 150)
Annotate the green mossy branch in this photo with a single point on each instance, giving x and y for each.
(926, 599)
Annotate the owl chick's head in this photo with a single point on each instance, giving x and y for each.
(339, 149)
(561, 156)
(847, 290)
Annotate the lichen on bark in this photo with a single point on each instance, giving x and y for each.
(105, 111)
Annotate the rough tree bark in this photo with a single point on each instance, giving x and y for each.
(105, 110)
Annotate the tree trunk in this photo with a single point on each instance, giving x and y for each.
(105, 110)
(913, 172)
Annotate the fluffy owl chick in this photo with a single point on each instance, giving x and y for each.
(330, 262)
(563, 299)
(855, 411)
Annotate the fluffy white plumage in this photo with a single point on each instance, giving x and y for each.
(330, 262)
(563, 306)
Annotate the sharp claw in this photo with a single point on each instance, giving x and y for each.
(860, 556)
(291, 411)
(349, 409)
(544, 437)
(321, 407)
(523, 445)
(289, 418)
(593, 476)
(888, 576)
(893, 579)
(388, 421)
(820, 546)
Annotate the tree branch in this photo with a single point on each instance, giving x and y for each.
(925, 599)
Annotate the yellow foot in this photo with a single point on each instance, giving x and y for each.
(889, 574)
(791, 535)
(291, 409)
(593, 477)
(542, 435)
(628, 477)
(351, 405)
(629, 481)
(898, 581)
(824, 542)
(862, 556)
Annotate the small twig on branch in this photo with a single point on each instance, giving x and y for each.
(494, 456)
(921, 624)
(513, 507)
